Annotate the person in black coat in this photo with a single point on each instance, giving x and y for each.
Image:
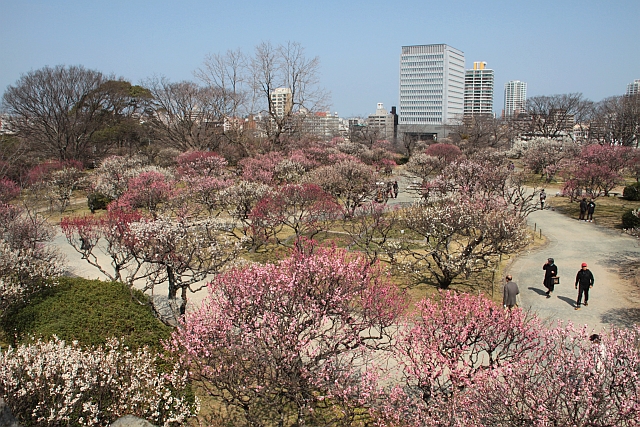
(583, 208)
(591, 207)
(584, 282)
(551, 272)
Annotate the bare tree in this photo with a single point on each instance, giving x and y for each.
(71, 113)
(285, 67)
(56, 110)
(186, 116)
(617, 121)
(554, 116)
(480, 132)
(229, 76)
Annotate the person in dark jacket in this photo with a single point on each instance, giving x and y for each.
(591, 207)
(509, 293)
(584, 282)
(583, 208)
(551, 272)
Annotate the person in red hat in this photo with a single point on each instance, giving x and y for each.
(584, 282)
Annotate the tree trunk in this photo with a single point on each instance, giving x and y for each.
(173, 289)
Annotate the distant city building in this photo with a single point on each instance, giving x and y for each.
(323, 125)
(515, 98)
(478, 90)
(431, 89)
(281, 101)
(383, 122)
(633, 88)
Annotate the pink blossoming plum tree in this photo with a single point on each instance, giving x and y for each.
(300, 208)
(443, 352)
(272, 341)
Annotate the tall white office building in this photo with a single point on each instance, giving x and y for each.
(431, 85)
(515, 98)
(633, 88)
(478, 90)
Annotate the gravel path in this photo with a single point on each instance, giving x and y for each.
(615, 296)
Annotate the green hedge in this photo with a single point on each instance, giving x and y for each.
(89, 311)
(632, 192)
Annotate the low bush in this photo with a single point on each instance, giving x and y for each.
(87, 311)
(97, 201)
(631, 219)
(632, 192)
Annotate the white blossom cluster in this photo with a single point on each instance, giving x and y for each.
(53, 383)
(289, 170)
(23, 271)
(112, 177)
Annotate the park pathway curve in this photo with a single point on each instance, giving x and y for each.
(615, 296)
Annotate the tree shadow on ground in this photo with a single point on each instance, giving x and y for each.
(626, 264)
(537, 291)
(621, 317)
(568, 300)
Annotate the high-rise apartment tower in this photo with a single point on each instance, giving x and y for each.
(633, 88)
(478, 90)
(515, 98)
(281, 101)
(431, 84)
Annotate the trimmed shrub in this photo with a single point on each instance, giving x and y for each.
(630, 219)
(87, 311)
(632, 192)
(98, 201)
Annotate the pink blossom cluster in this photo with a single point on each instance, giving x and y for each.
(272, 341)
(463, 361)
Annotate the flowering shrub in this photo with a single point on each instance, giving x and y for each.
(351, 182)
(261, 168)
(200, 163)
(8, 190)
(26, 263)
(461, 234)
(444, 351)
(147, 190)
(272, 342)
(463, 361)
(301, 207)
(54, 383)
(40, 173)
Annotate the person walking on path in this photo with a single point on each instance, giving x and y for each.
(543, 197)
(584, 282)
(550, 276)
(591, 206)
(583, 208)
(509, 293)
